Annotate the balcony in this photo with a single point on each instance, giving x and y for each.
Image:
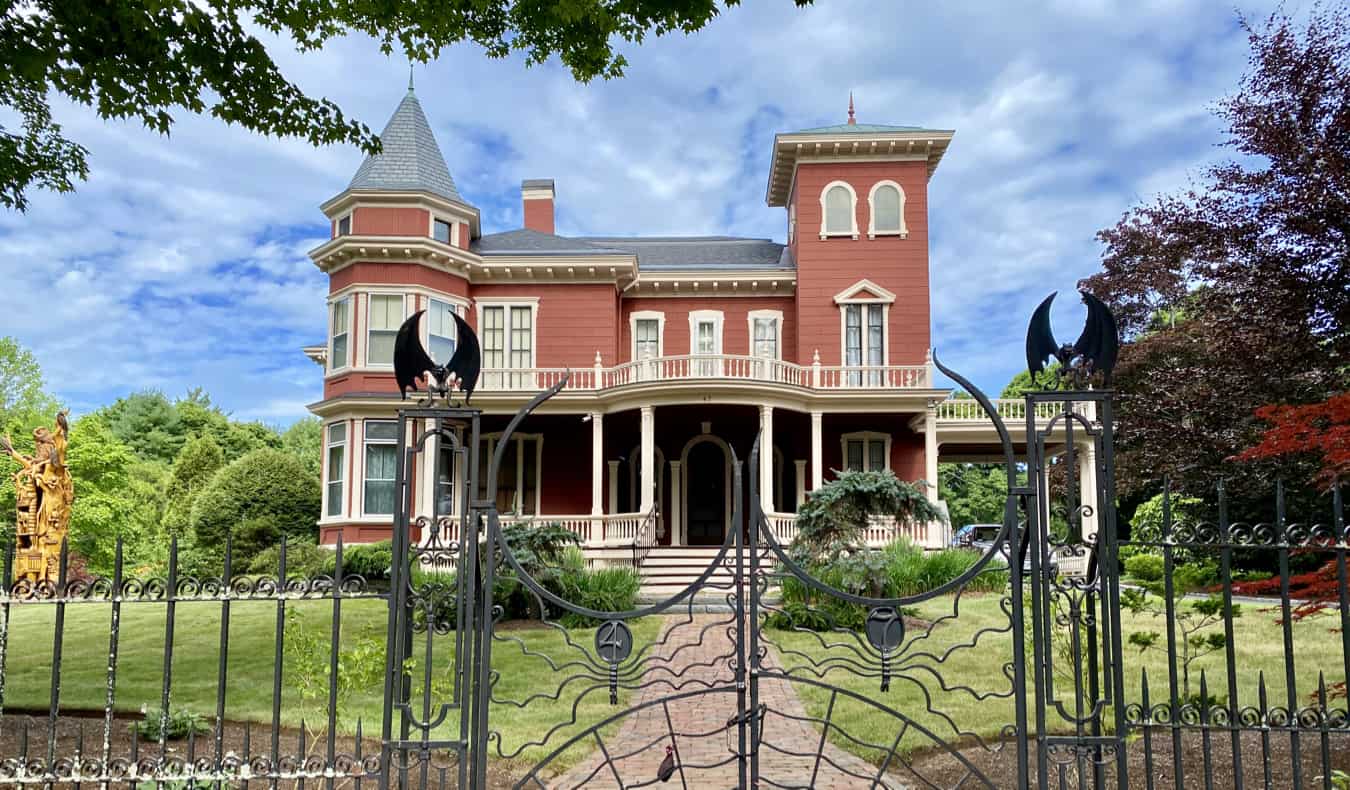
(712, 368)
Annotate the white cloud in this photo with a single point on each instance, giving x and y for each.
(181, 262)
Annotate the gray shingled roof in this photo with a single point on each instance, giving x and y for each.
(411, 159)
(654, 253)
(531, 242)
(664, 253)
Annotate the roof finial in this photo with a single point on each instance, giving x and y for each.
(851, 120)
(410, 77)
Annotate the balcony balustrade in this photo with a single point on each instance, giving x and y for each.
(711, 368)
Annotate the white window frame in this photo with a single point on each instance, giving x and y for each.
(792, 222)
(872, 231)
(867, 438)
(365, 350)
(350, 218)
(333, 362)
(506, 303)
(455, 307)
(647, 315)
(865, 292)
(365, 430)
(774, 315)
(490, 446)
(825, 233)
(711, 367)
(328, 446)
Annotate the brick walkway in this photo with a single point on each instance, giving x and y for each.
(705, 744)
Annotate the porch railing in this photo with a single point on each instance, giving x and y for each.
(881, 530)
(613, 529)
(711, 367)
(1010, 409)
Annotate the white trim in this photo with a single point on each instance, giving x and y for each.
(698, 316)
(792, 222)
(508, 302)
(777, 317)
(326, 472)
(866, 437)
(646, 315)
(537, 193)
(432, 219)
(365, 346)
(684, 484)
(872, 231)
(360, 506)
(853, 211)
(346, 361)
(849, 294)
(862, 304)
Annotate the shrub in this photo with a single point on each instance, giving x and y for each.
(1145, 567)
(831, 522)
(180, 724)
(371, 561)
(256, 498)
(604, 590)
(303, 558)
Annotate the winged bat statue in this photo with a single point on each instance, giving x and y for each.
(1094, 352)
(412, 363)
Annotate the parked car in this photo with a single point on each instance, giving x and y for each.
(976, 536)
(981, 538)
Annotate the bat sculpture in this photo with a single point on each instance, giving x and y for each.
(412, 363)
(1094, 351)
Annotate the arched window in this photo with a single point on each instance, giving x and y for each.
(838, 210)
(887, 200)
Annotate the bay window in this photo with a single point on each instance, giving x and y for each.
(339, 328)
(441, 330)
(386, 315)
(336, 463)
(381, 461)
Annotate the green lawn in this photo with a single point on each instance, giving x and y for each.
(196, 654)
(978, 662)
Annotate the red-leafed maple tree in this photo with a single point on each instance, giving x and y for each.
(1321, 430)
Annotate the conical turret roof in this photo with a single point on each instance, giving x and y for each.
(411, 159)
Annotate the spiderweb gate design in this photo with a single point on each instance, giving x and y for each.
(1021, 670)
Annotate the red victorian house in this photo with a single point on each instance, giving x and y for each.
(679, 347)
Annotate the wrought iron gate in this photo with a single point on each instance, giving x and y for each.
(1021, 670)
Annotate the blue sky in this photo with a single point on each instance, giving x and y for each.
(181, 262)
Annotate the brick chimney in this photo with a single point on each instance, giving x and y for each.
(537, 196)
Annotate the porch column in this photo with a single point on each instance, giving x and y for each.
(817, 452)
(597, 463)
(676, 506)
(648, 478)
(1087, 486)
(613, 486)
(800, 463)
(930, 450)
(766, 458)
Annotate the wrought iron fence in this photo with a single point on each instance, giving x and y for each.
(1100, 658)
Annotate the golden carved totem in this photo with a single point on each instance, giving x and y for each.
(44, 492)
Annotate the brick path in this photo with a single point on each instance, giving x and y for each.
(705, 745)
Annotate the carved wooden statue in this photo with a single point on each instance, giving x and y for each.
(44, 491)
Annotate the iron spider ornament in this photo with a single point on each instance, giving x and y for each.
(1094, 352)
(414, 366)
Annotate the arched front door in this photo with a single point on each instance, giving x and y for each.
(706, 495)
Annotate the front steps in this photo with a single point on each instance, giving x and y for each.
(668, 570)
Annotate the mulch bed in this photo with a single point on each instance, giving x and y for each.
(943, 770)
(72, 728)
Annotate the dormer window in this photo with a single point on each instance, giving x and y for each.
(887, 202)
(440, 230)
(344, 227)
(838, 210)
